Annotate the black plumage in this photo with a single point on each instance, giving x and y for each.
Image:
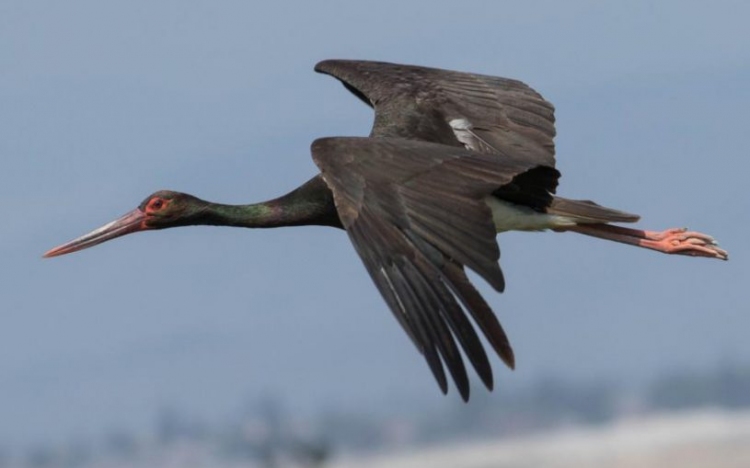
(452, 159)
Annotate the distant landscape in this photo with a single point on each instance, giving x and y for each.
(265, 435)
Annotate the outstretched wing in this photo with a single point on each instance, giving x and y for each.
(483, 113)
(416, 214)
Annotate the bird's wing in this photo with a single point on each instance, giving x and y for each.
(483, 113)
(416, 214)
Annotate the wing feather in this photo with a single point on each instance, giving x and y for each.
(484, 113)
(416, 215)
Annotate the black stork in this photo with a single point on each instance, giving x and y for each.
(453, 159)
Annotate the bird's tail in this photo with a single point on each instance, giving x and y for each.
(586, 211)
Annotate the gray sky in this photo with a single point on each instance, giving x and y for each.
(103, 103)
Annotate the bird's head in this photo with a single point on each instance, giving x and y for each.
(162, 209)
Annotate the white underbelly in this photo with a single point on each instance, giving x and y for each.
(512, 217)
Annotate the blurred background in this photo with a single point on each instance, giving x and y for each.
(229, 347)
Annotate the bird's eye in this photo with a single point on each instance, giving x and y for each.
(156, 204)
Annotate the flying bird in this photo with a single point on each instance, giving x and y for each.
(453, 159)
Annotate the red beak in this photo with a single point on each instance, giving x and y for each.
(128, 223)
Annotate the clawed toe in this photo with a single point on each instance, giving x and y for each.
(679, 234)
(680, 241)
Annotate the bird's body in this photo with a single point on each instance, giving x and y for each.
(453, 158)
(509, 216)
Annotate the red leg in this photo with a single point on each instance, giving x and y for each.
(678, 241)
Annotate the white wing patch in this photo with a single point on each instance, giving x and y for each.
(462, 129)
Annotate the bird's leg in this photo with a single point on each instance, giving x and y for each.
(678, 241)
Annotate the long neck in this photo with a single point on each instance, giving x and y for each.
(310, 204)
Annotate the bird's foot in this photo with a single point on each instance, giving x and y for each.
(677, 241)
(680, 241)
